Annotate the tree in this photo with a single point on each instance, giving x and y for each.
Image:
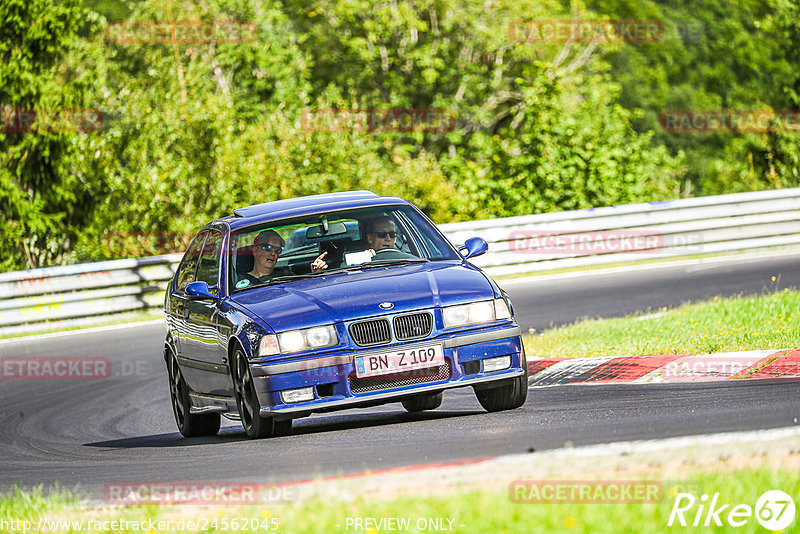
(44, 110)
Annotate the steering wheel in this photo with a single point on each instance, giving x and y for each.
(391, 254)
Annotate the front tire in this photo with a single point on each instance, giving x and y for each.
(507, 397)
(423, 402)
(190, 425)
(244, 390)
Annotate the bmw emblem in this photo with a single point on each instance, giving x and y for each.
(386, 305)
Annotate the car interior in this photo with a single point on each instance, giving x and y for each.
(306, 243)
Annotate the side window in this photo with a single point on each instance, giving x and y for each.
(405, 234)
(188, 266)
(208, 270)
(430, 241)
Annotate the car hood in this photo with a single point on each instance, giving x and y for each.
(355, 295)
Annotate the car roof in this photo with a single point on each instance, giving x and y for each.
(302, 206)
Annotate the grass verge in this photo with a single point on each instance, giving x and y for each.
(467, 511)
(720, 325)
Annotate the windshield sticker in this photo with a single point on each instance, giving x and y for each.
(242, 283)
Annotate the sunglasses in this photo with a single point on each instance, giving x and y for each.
(384, 235)
(268, 248)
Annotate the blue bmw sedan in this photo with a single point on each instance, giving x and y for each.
(330, 302)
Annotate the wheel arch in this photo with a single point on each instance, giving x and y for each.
(234, 342)
(169, 345)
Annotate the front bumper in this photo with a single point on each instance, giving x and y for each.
(336, 387)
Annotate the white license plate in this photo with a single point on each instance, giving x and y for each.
(399, 360)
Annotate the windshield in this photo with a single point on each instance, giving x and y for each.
(326, 243)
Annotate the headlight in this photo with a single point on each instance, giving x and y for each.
(320, 336)
(475, 312)
(297, 340)
(308, 338)
(291, 341)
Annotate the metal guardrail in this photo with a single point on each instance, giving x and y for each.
(69, 295)
(64, 296)
(703, 225)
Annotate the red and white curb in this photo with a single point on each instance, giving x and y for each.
(667, 368)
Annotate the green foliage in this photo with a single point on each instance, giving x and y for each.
(715, 55)
(199, 137)
(569, 148)
(527, 138)
(42, 203)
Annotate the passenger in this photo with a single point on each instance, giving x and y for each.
(267, 247)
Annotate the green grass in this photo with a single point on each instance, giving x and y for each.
(30, 505)
(476, 509)
(483, 511)
(720, 325)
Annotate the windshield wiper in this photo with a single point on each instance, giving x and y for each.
(399, 261)
(382, 263)
(365, 265)
(290, 277)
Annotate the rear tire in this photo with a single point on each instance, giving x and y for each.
(421, 403)
(190, 425)
(254, 424)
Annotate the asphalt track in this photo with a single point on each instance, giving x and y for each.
(92, 433)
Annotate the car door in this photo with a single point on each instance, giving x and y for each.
(176, 311)
(207, 345)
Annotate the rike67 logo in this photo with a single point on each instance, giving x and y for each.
(774, 510)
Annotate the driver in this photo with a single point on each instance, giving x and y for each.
(381, 233)
(381, 237)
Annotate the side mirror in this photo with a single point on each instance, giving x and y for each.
(474, 246)
(199, 291)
